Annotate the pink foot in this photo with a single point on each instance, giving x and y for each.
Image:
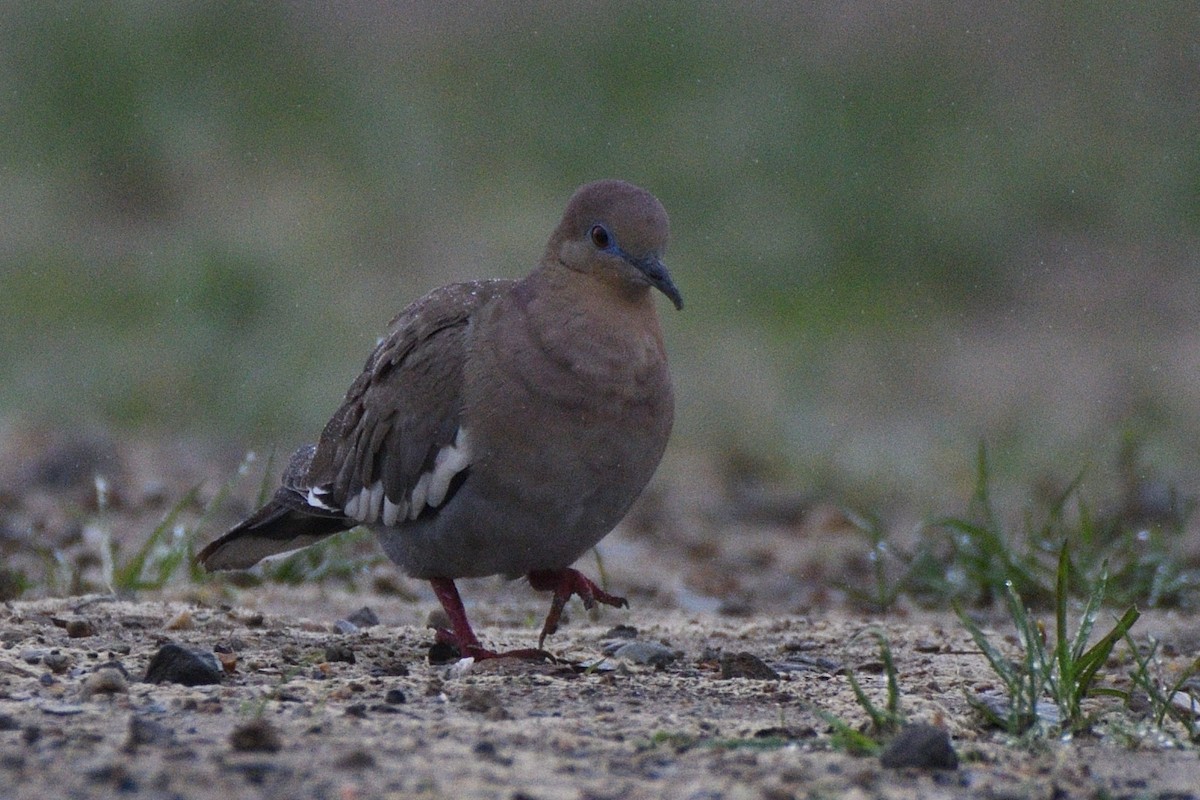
(564, 583)
(461, 637)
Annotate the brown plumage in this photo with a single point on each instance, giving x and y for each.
(500, 427)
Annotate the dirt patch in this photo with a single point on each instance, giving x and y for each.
(716, 683)
(312, 707)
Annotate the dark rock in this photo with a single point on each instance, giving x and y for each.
(389, 667)
(174, 663)
(256, 736)
(746, 665)
(483, 701)
(922, 746)
(356, 759)
(143, 730)
(487, 751)
(80, 628)
(364, 618)
(395, 697)
(621, 632)
(787, 732)
(339, 652)
(442, 653)
(115, 775)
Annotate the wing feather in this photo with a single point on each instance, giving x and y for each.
(405, 406)
(381, 443)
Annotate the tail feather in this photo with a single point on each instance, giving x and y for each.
(275, 528)
(286, 523)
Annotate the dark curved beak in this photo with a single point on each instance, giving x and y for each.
(656, 272)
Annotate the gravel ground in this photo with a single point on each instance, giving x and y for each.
(696, 705)
(718, 682)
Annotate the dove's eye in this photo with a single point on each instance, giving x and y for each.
(600, 236)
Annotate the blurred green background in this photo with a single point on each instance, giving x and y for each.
(899, 228)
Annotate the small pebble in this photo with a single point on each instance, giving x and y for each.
(395, 697)
(174, 663)
(57, 662)
(920, 745)
(105, 680)
(651, 653)
(80, 629)
(254, 619)
(388, 667)
(339, 652)
(33, 655)
(356, 759)
(116, 775)
(229, 661)
(486, 750)
(143, 730)
(746, 665)
(256, 736)
(621, 632)
(483, 701)
(442, 653)
(364, 618)
(344, 626)
(181, 622)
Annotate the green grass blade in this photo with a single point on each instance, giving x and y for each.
(877, 717)
(1096, 657)
(128, 577)
(995, 658)
(1062, 650)
(846, 737)
(266, 486)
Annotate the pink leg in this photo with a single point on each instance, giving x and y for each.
(461, 637)
(564, 583)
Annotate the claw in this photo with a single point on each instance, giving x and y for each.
(564, 583)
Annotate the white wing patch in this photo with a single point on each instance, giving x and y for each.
(450, 461)
(371, 505)
(315, 498)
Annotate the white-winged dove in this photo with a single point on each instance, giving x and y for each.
(500, 427)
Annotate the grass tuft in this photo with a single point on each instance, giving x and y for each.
(881, 723)
(1064, 673)
(1170, 701)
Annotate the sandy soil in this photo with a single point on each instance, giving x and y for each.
(305, 710)
(741, 635)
